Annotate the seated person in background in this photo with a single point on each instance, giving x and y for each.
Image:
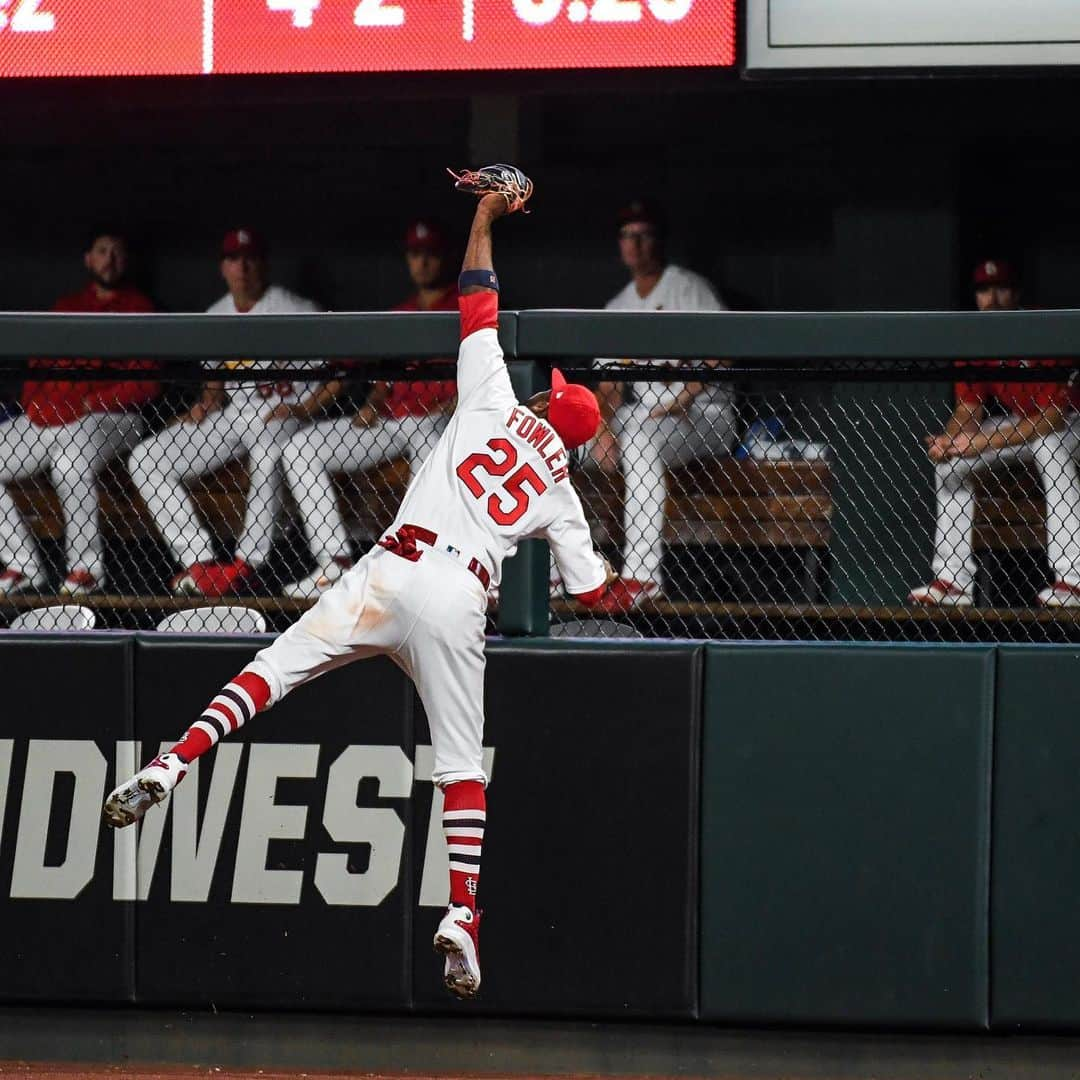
(229, 421)
(400, 419)
(71, 428)
(649, 427)
(1040, 426)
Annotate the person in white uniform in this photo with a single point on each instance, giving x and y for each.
(231, 419)
(650, 427)
(498, 475)
(70, 429)
(1040, 426)
(399, 419)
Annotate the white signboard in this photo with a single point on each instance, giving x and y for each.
(915, 33)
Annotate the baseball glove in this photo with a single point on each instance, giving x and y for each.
(505, 180)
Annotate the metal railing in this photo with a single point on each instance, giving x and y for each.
(793, 499)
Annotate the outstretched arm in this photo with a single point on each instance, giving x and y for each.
(481, 376)
(478, 295)
(478, 253)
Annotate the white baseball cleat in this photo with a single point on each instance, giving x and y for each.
(458, 939)
(15, 583)
(184, 584)
(149, 786)
(80, 583)
(1060, 594)
(941, 593)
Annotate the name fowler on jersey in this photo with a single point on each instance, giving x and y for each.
(537, 434)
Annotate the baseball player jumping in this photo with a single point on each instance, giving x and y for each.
(499, 474)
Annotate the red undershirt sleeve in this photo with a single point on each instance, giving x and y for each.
(479, 311)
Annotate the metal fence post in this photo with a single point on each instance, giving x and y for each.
(523, 594)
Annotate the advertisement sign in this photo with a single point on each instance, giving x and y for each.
(302, 864)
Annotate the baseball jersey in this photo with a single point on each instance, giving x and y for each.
(498, 474)
(420, 398)
(1020, 398)
(254, 397)
(53, 402)
(677, 289)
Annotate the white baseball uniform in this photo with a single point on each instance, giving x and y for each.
(648, 447)
(410, 427)
(498, 475)
(318, 453)
(1055, 458)
(73, 455)
(161, 465)
(71, 429)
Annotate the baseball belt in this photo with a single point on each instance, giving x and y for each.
(403, 544)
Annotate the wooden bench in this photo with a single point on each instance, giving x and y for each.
(732, 504)
(1010, 510)
(1010, 536)
(724, 502)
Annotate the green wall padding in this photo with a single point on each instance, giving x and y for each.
(1035, 893)
(845, 834)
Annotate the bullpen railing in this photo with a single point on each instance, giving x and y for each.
(774, 482)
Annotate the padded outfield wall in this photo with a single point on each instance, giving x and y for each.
(870, 835)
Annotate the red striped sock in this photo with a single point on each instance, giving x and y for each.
(232, 707)
(464, 818)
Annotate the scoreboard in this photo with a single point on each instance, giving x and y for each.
(189, 37)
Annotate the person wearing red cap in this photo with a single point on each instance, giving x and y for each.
(231, 419)
(499, 474)
(1040, 427)
(71, 429)
(650, 427)
(399, 419)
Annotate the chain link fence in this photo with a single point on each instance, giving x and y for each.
(766, 500)
(807, 507)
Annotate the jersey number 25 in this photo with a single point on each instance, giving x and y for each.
(499, 462)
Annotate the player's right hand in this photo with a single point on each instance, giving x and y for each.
(285, 412)
(367, 416)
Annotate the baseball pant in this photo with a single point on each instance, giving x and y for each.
(73, 455)
(161, 465)
(647, 449)
(1054, 457)
(429, 617)
(317, 453)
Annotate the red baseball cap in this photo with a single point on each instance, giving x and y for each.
(425, 235)
(645, 211)
(994, 272)
(243, 241)
(572, 411)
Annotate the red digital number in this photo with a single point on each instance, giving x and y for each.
(514, 485)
